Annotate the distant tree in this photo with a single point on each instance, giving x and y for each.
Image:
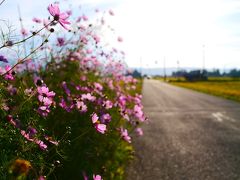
(214, 73)
(234, 73)
(180, 73)
(135, 74)
(196, 75)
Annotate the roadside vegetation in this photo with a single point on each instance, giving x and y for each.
(67, 108)
(226, 87)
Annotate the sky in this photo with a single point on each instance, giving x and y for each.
(194, 33)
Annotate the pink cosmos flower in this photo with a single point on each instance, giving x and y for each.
(88, 97)
(73, 56)
(102, 21)
(28, 92)
(50, 139)
(94, 118)
(97, 10)
(5, 107)
(66, 89)
(46, 99)
(9, 75)
(84, 176)
(115, 50)
(40, 143)
(139, 131)
(60, 41)
(31, 131)
(41, 178)
(125, 136)
(120, 39)
(137, 99)
(3, 59)
(97, 177)
(81, 106)
(122, 100)
(24, 32)
(106, 118)
(123, 53)
(26, 135)
(96, 38)
(98, 86)
(108, 104)
(43, 108)
(83, 39)
(138, 112)
(110, 84)
(36, 20)
(84, 17)
(58, 16)
(45, 96)
(99, 127)
(69, 12)
(44, 90)
(89, 51)
(64, 105)
(79, 19)
(10, 119)
(83, 78)
(111, 12)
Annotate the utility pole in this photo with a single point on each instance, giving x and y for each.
(164, 68)
(203, 57)
(141, 66)
(178, 69)
(156, 62)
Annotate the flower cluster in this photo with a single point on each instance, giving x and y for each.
(45, 98)
(29, 134)
(79, 115)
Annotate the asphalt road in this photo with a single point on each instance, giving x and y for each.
(190, 136)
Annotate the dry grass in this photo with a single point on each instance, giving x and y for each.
(225, 87)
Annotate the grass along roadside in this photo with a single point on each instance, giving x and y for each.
(226, 88)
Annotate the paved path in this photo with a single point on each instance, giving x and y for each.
(191, 136)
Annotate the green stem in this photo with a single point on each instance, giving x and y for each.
(81, 135)
(25, 59)
(5, 45)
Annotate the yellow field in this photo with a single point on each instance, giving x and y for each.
(225, 87)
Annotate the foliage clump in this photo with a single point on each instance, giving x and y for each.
(71, 113)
